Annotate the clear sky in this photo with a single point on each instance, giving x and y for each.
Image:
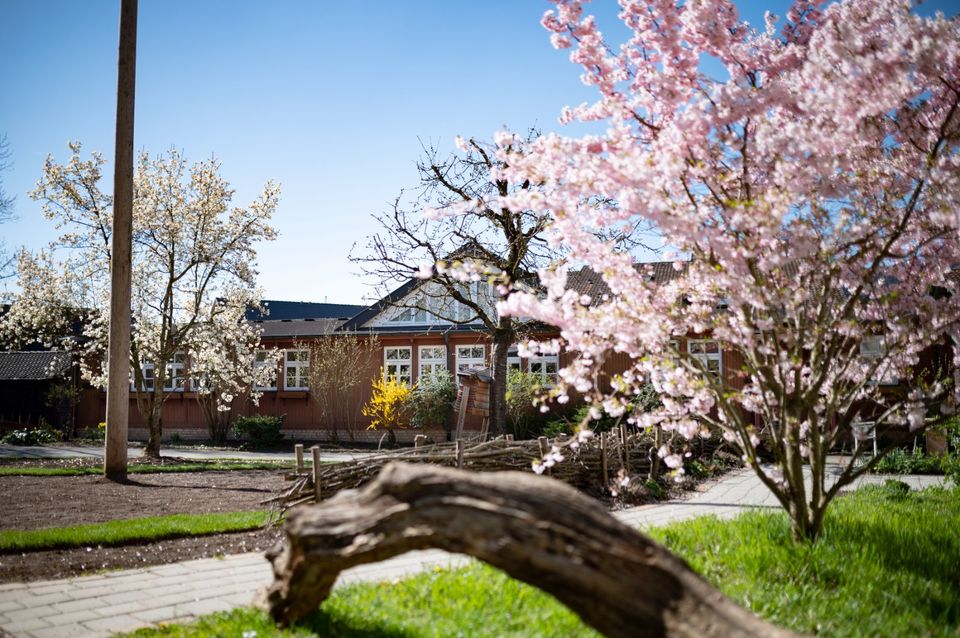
(331, 99)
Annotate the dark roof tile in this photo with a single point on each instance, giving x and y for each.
(33, 366)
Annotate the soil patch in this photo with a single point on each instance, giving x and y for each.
(33, 502)
(86, 561)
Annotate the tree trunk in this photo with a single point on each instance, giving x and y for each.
(155, 428)
(536, 529)
(502, 340)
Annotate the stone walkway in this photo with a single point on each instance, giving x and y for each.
(93, 606)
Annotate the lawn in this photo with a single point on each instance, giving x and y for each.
(888, 564)
(124, 531)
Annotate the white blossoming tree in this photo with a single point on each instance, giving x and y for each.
(194, 270)
(222, 368)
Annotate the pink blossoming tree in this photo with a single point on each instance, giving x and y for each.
(812, 193)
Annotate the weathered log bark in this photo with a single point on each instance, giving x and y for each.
(536, 529)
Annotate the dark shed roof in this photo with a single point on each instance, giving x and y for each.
(33, 366)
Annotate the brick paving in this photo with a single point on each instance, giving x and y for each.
(94, 606)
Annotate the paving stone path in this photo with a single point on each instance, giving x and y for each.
(93, 606)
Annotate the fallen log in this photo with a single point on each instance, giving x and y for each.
(538, 530)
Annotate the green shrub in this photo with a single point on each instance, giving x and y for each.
(261, 431)
(558, 427)
(39, 435)
(523, 417)
(900, 461)
(646, 401)
(432, 400)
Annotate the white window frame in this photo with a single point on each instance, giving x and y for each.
(540, 366)
(874, 347)
(431, 360)
(513, 360)
(262, 362)
(705, 357)
(175, 377)
(481, 293)
(301, 370)
(470, 360)
(395, 359)
(149, 381)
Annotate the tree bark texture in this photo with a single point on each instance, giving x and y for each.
(502, 340)
(536, 529)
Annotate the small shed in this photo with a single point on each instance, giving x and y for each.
(473, 400)
(26, 378)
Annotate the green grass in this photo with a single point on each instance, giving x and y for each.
(476, 601)
(888, 564)
(149, 468)
(121, 532)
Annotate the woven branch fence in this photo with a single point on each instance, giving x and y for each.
(590, 467)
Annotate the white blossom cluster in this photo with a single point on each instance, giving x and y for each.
(193, 276)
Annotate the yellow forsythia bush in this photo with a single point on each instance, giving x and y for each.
(388, 407)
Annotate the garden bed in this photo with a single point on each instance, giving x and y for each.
(31, 502)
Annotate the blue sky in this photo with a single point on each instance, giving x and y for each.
(330, 99)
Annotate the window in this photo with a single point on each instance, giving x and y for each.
(261, 362)
(398, 363)
(422, 309)
(296, 370)
(513, 360)
(707, 352)
(481, 293)
(199, 382)
(149, 374)
(872, 347)
(433, 360)
(471, 358)
(174, 373)
(546, 367)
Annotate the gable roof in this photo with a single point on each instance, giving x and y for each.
(290, 310)
(33, 366)
(369, 312)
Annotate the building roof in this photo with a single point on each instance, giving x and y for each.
(369, 312)
(33, 366)
(299, 327)
(589, 282)
(289, 310)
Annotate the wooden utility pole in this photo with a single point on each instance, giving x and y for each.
(118, 362)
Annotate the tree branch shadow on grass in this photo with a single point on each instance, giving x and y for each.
(931, 556)
(326, 624)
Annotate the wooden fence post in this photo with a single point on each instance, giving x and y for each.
(626, 451)
(315, 451)
(603, 460)
(544, 447)
(298, 450)
(460, 453)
